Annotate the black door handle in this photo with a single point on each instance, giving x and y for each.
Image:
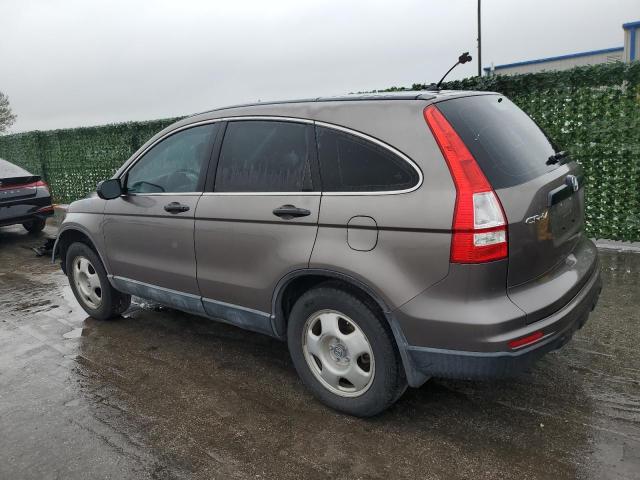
(290, 211)
(175, 207)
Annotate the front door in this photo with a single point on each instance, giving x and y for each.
(149, 230)
(260, 220)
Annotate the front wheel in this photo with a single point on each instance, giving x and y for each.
(35, 226)
(344, 352)
(90, 285)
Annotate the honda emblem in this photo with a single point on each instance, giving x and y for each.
(572, 181)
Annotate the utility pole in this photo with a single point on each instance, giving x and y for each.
(479, 43)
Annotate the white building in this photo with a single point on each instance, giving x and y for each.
(627, 53)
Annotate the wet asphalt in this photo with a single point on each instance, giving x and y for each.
(160, 394)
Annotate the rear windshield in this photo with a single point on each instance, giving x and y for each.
(507, 144)
(9, 170)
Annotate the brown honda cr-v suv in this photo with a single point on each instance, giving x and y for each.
(387, 238)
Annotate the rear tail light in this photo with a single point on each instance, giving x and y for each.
(479, 225)
(42, 185)
(38, 184)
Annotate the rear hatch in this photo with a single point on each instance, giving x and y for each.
(16, 183)
(540, 189)
(18, 188)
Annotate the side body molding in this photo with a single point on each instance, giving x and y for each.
(242, 317)
(237, 315)
(185, 302)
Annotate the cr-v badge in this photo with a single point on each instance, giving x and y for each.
(537, 218)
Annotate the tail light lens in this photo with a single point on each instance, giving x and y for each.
(479, 225)
(42, 185)
(39, 184)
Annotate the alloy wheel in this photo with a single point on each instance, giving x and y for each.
(87, 282)
(338, 353)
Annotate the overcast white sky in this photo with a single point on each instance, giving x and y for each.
(67, 63)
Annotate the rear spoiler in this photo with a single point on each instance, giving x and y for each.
(10, 182)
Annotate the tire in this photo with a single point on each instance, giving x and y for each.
(90, 285)
(321, 354)
(35, 226)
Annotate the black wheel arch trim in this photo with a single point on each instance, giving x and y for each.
(78, 228)
(415, 378)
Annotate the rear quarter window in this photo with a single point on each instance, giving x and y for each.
(507, 144)
(349, 163)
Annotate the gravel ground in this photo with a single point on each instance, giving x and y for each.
(160, 394)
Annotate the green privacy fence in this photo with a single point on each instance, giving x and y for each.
(74, 160)
(594, 112)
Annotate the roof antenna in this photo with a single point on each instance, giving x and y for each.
(464, 58)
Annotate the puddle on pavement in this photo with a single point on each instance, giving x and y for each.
(75, 333)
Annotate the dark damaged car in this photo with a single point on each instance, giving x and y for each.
(24, 198)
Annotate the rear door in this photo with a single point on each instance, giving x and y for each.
(541, 193)
(149, 230)
(259, 220)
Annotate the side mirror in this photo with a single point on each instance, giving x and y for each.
(110, 189)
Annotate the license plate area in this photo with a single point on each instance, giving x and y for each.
(565, 217)
(7, 194)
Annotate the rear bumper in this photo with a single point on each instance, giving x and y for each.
(557, 330)
(25, 218)
(26, 211)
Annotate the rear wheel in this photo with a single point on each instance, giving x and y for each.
(344, 353)
(35, 226)
(90, 285)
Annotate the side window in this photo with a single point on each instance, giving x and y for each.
(175, 164)
(265, 156)
(349, 163)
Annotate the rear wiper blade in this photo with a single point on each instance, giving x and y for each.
(556, 157)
